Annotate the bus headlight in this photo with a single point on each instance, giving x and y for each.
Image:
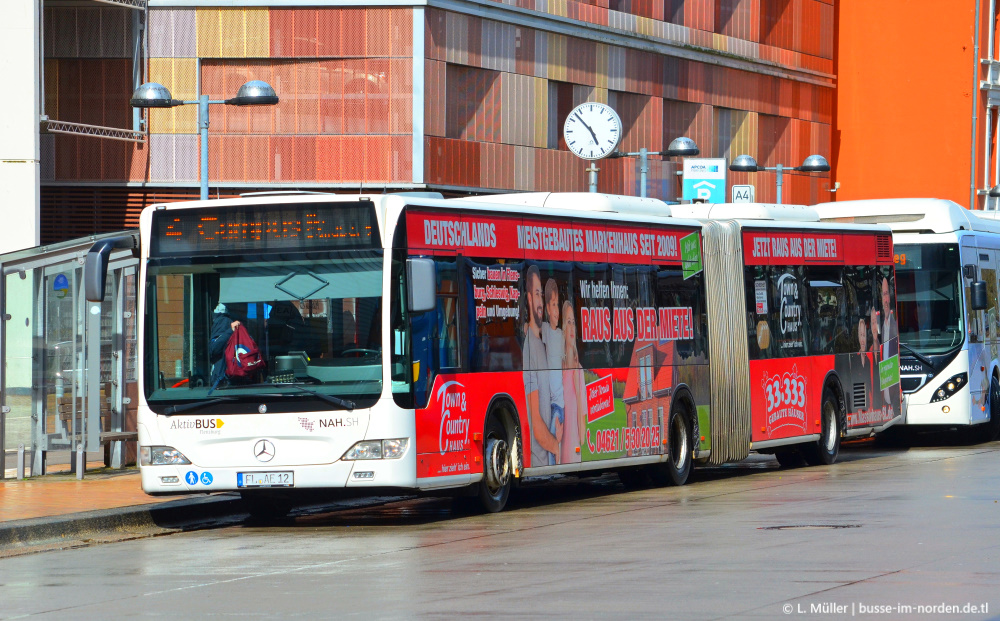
(377, 449)
(161, 456)
(949, 388)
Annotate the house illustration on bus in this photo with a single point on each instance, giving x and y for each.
(648, 389)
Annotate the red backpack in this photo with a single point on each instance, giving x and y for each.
(242, 356)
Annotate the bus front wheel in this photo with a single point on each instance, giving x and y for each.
(990, 430)
(494, 488)
(824, 452)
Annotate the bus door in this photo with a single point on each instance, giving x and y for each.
(974, 260)
(990, 318)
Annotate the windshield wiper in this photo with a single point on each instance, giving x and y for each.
(177, 409)
(917, 355)
(344, 403)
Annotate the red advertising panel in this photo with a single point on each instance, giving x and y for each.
(785, 248)
(568, 318)
(473, 236)
(486, 235)
(859, 250)
(785, 395)
(600, 399)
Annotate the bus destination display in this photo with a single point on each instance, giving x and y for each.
(263, 228)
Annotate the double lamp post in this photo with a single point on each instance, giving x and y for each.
(253, 93)
(813, 163)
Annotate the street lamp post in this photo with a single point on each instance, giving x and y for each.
(813, 163)
(680, 147)
(253, 93)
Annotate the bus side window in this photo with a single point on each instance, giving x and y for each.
(789, 312)
(759, 308)
(827, 311)
(446, 341)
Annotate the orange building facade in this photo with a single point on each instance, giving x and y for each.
(459, 97)
(916, 101)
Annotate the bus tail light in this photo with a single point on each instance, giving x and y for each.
(950, 387)
(161, 456)
(377, 449)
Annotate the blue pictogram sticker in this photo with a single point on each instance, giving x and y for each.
(191, 477)
(206, 478)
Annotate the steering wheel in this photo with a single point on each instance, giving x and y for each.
(360, 352)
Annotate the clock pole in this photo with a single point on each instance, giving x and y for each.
(593, 175)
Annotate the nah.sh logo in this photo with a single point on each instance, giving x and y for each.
(454, 433)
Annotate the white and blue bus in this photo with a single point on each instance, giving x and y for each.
(949, 325)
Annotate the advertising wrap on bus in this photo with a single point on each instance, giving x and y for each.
(819, 302)
(590, 335)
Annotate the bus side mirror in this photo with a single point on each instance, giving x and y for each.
(421, 285)
(978, 289)
(95, 267)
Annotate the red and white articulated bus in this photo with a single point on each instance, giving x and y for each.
(413, 342)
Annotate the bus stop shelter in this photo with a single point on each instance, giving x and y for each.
(69, 368)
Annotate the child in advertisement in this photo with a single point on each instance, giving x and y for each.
(553, 339)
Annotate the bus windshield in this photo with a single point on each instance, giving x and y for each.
(928, 297)
(314, 316)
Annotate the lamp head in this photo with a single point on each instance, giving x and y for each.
(994, 191)
(744, 163)
(682, 147)
(254, 93)
(153, 95)
(815, 163)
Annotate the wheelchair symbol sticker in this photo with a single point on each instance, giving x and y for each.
(206, 478)
(191, 477)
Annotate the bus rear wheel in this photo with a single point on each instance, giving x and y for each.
(789, 458)
(824, 452)
(677, 468)
(494, 488)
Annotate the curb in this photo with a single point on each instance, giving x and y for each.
(124, 522)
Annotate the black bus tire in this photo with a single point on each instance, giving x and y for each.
(789, 458)
(993, 426)
(680, 445)
(634, 478)
(825, 450)
(494, 488)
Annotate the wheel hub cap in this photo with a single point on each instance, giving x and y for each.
(497, 466)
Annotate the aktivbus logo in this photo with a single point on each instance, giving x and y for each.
(197, 423)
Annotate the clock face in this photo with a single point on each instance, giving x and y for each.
(592, 130)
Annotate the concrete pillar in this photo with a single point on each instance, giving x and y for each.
(20, 171)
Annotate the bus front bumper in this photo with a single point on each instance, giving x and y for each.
(192, 479)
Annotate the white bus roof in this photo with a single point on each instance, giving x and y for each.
(746, 211)
(578, 201)
(911, 215)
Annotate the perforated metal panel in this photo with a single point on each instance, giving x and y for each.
(722, 256)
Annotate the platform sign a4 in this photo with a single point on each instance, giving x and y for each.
(705, 179)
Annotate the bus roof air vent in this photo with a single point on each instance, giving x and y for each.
(883, 247)
(579, 201)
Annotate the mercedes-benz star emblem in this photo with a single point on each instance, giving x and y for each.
(263, 450)
(262, 408)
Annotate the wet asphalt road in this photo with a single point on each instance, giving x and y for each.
(882, 528)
